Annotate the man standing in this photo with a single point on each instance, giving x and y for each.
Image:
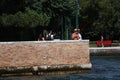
(102, 38)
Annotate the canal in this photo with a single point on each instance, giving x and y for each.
(104, 68)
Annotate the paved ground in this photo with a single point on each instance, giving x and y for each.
(105, 50)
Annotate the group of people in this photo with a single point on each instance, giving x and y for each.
(46, 36)
(76, 35)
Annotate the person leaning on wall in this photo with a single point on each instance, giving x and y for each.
(50, 36)
(41, 38)
(75, 35)
(79, 34)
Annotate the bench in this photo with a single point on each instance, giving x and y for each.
(105, 43)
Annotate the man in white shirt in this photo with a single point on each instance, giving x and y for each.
(80, 36)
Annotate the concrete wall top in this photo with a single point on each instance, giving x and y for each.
(54, 41)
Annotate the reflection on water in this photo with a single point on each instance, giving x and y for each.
(104, 68)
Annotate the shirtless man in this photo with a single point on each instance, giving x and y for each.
(75, 35)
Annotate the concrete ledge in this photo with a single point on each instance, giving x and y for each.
(41, 70)
(52, 68)
(52, 41)
(104, 50)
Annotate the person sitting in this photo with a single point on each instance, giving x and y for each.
(50, 36)
(79, 34)
(40, 38)
(75, 35)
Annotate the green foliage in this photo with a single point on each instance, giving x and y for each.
(31, 13)
(27, 19)
(101, 16)
(6, 20)
(104, 14)
(11, 6)
(59, 7)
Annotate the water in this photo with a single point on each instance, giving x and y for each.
(104, 68)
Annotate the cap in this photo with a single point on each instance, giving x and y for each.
(75, 29)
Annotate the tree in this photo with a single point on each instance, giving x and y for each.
(95, 16)
(108, 18)
(104, 15)
(28, 19)
(11, 6)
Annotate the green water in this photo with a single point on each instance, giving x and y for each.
(104, 68)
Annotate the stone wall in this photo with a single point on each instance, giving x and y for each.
(44, 53)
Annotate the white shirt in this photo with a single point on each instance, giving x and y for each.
(80, 37)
